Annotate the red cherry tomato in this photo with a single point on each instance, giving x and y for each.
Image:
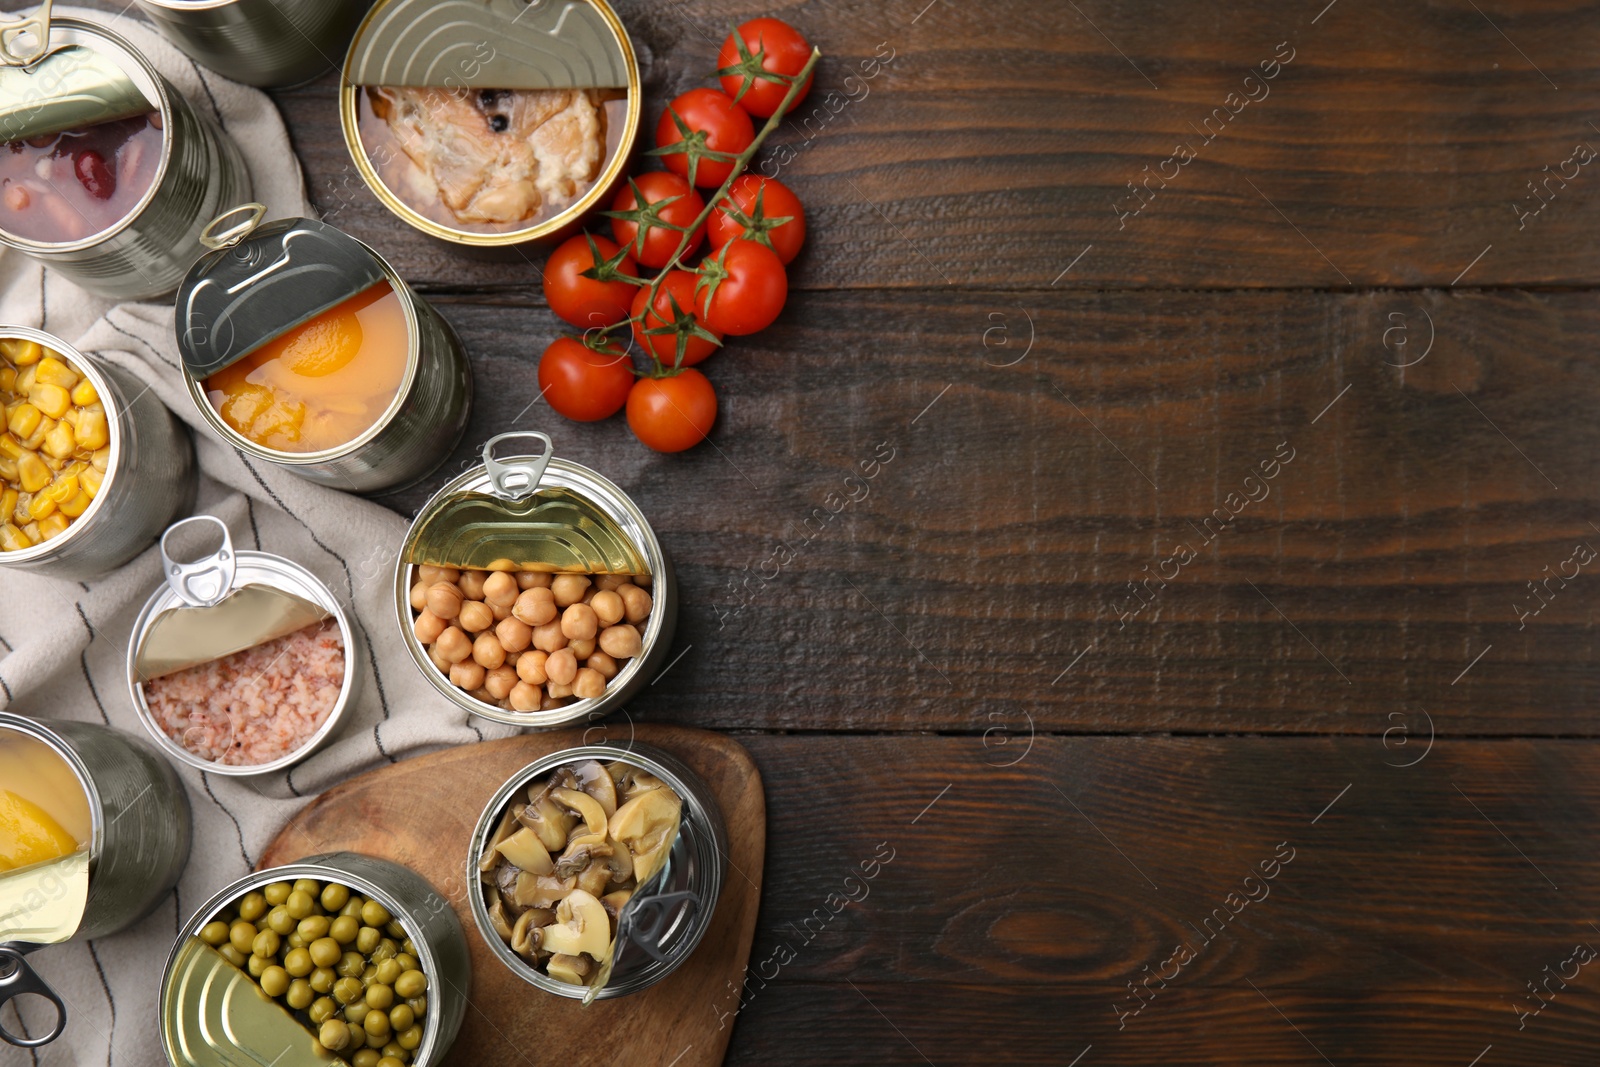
(751, 288)
(582, 384)
(587, 302)
(678, 286)
(655, 246)
(777, 202)
(714, 122)
(674, 413)
(786, 52)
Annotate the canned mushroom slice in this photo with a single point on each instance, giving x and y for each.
(598, 870)
(533, 592)
(302, 346)
(490, 124)
(340, 958)
(242, 663)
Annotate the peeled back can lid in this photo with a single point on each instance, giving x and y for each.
(64, 75)
(441, 43)
(261, 281)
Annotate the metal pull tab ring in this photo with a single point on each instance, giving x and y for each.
(17, 979)
(650, 917)
(36, 25)
(207, 580)
(228, 236)
(517, 478)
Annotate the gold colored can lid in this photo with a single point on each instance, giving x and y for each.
(537, 44)
(214, 1015)
(522, 525)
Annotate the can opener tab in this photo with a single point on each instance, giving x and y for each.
(262, 279)
(521, 523)
(218, 616)
(17, 979)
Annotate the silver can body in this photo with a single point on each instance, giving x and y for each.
(697, 864)
(427, 917)
(259, 568)
(658, 632)
(268, 43)
(201, 175)
(151, 477)
(408, 442)
(139, 813)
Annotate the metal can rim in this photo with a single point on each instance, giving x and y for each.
(182, 5)
(163, 103)
(301, 581)
(106, 389)
(681, 778)
(307, 459)
(579, 710)
(602, 186)
(37, 730)
(289, 872)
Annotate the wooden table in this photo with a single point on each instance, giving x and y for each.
(1306, 360)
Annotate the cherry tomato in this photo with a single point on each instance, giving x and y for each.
(786, 52)
(776, 201)
(587, 302)
(678, 286)
(582, 384)
(714, 122)
(673, 413)
(750, 288)
(655, 246)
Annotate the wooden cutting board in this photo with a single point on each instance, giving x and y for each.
(422, 811)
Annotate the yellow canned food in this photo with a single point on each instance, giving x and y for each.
(55, 445)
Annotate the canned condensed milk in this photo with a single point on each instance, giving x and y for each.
(110, 173)
(304, 348)
(98, 833)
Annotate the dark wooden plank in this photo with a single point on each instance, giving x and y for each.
(997, 544)
(1415, 905)
(1000, 142)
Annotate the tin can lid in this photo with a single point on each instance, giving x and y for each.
(492, 44)
(49, 87)
(218, 615)
(260, 281)
(521, 524)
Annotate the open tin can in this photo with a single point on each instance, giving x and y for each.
(666, 916)
(491, 123)
(268, 43)
(214, 1013)
(188, 641)
(537, 514)
(112, 173)
(123, 807)
(149, 474)
(301, 346)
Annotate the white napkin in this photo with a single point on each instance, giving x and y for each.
(63, 644)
